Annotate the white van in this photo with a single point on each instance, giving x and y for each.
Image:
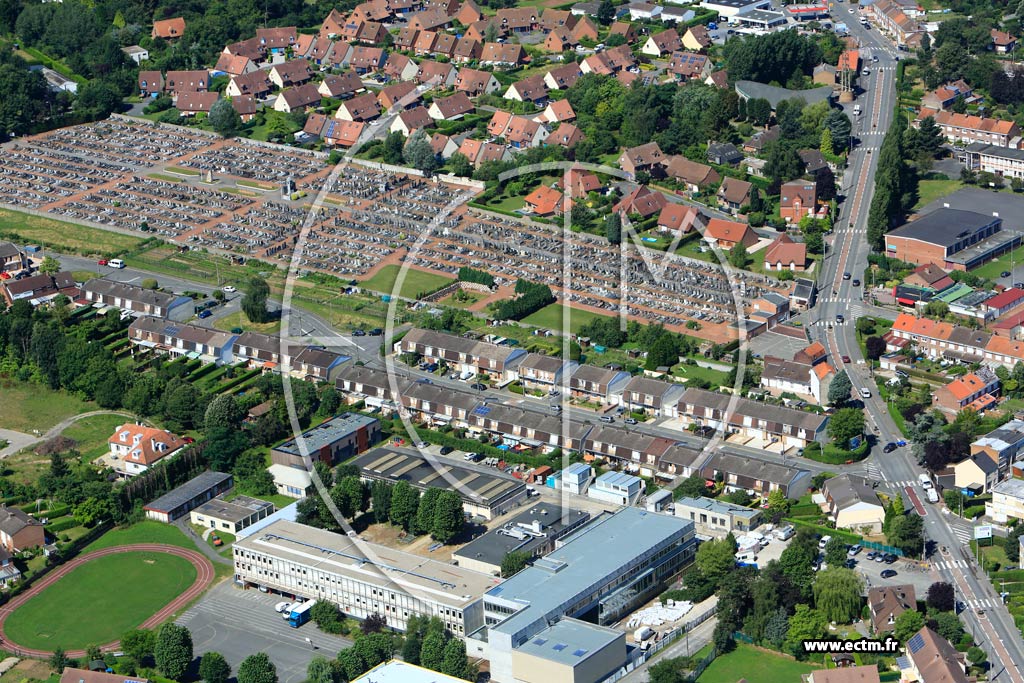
(865, 393)
(926, 483)
(746, 557)
(115, 263)
(785, 533)
(824, 541)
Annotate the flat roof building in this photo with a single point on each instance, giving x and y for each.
(616, 487)
(716, 518)
(402, 672)
(330, 442)
(570, 651)
(231, 515)
(361, 578)
(602, 572)
(484, 492)
(188, 496)
(534, 531)
(953, 239)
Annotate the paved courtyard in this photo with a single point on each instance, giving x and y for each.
(237, 623)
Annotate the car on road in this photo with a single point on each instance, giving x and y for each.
(478, 386)
(607, 418)
(205, 314)
(888, 573)
(889, 447)
(839, 318)
(421, 444)
(846, 276)
(102, 262)
(630, 421)
(358, 333)
(856, 283)
(1005, 273)
(1019, 285)
(846, 359)
(376, 332)
(874, 58)
(554, 392)
(445, 450)
(230, 289)
(865, 72)
(865, 392)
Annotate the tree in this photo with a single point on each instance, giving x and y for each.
(738, 256)
(405, 502)
(380, 501)
(663, 353)
(827, 149)
(59, 660)
(327, 616)
(907, 624)
(319, 670)
(776, 628)
(449, 517)
(432, 652)
(667, 671)
(907, 534)
(875, 347)
(716, 558)
(514, 562)
(350, 664)
(613, 228)
(254, 302)
(692, 487)
(844, 425)
(172, 652)
(778, 502)
(605, 12)
(837, 594)
(976, 656)
(394, 145)
(835, 552)
(1012, 546)
(804, 624)
(419, 154)
(425, 512)
(257, 668)
(840, 388)
(459, 165)
(941, 596)
(223, 118)
(455, 663)
(213, 668)
(223, 411)
(840, 126)
(351, 496)
(374, 623)
(947, 625)
(138, 644)
(49, 266)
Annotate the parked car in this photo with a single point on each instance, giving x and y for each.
(230, 289)
(358, 333)
(217, 542)
(888, 573)
(376, 332)
(854, 549)
(630, 421)
(205, 314)
(850, 563)
(478, 386)
(445, 450)
(1005, 273)
(607, 418)
(282, 606)
(102, 262)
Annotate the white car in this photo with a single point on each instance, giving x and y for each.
(230, 289)
(282, 606)
(850, 10)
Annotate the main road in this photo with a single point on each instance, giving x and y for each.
(984, 616)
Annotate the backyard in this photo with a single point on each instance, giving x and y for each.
(63, 615)
(91, 434)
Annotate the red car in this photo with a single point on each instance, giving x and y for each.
(102, 262)
(188, 439)
(846, 359)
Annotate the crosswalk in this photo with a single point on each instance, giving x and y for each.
(873, 472)
(950, 564)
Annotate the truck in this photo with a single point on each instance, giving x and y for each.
(300, 613)
(931, 495)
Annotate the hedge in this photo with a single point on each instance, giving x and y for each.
(826, 531)
(62, 525)
(1009, 575)
(228, 386)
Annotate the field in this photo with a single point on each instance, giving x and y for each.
(550, 317)
(47, 232)
(229, 322)
(91, 433)
(64, 615)
(754, 664)
(930, 190)
(143, 532)
(30, 406)
(992, 269)
(416, 281)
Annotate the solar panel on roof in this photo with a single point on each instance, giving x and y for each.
(481, 410)
(580, 652)
(915, 643)
(558, 647)
(539, 641)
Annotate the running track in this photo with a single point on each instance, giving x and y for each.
(204, 577)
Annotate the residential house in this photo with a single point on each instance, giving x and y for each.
(277, 41)
(890, 18)
(518, 131)
(234, 65)
(362, 108)
(929, 276)
(151, 83)
(467, 49)
(502, 54)
(531, 89)
(774, 425)
(256, 84)
(566, 135)
(245, 106)
(643, 10)
(461, 353)
(686, 66)
(609, 62)
(557, 111)
(977, 473)
(970, 128)
(581, 182)
(366, 60)
(727, 234)
(517, 20)
(298, 99)
(294, 72)
(799, 198)
(885, 603)
(734, 194)
(440, 74)
(315, 364)
(405, 39)
(693, 175)
(444, 147)
(544, 201)
(137, 299)
(553, 19)
(468, 12)
(478, 151)
(334, 132)
(562, 77)
(451, 108)
(424, 44)
(399, 67)
(853, 504)
(740, 473)
(724, 153)
(538, 372)
(651, 396)
(20, 531)
(39, 289)
(598, 385)
(930, 657)
(680, 219)
(1002, 42)
(134, 448)
(474, 82)
(642, 202)
(411, 120)
(181, 340)
(330, 442)
(696, 38)
(374, 387)
(716, 518)
(400, 95)
(677, 16)
(192, 103)
(585, 29)
(430, 19)
(975, 389)
(340, 86)
(646, 157)
(1002, 445)
(332, 25)
(168, 29)
(250, 48)
(946, 96)
(177, 82)
(663, 43)
(1007, 501)
(785, 254)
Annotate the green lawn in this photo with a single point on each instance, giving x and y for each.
(551, 317)
(930, 190)
(30, 406)
(63, 236)
(91, 433)
(992, 269)
(230, 322)
(754, 664)
(147, 531)
(716, 377)
(128, 588)
(416, 281)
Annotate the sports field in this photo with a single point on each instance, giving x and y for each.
(100, 600)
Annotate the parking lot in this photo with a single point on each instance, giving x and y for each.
(238, 623)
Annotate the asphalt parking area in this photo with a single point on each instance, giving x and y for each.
(238, 623)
